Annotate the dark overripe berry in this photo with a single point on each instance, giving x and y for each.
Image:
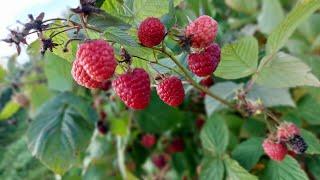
(297, 144)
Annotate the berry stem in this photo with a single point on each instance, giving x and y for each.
(194, 83)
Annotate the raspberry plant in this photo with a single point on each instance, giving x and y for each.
(157, 89)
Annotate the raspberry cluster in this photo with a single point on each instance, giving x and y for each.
(95, 64)
(286, 140)
(206, 57)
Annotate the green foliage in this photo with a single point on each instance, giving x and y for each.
(286, 169)
(66, 124)
(238, 59)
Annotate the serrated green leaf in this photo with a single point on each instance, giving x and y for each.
(225, 90)
(271, 15)
(308, 109)
(271, 96)
(245, 6)
(105, 20)
(248, 152)
(119, 36)
(9, 110)
(58, 73)
(312, 141)
(61, 131)
(238, 59)
(147, 8)
(284, 30)
(215, 135)
(287, 169)
(212, 169)
(235, 172)
(119, 9)
(284, 70)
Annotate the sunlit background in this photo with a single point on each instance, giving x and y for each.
(14, 10)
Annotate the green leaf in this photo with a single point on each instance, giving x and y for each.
(253, 127)
(215, 135)
(117, 35)
(239, 59)
(212, 169)
(9, 110)
(289, 168)
(284, 70)
(309, 110)
(61, 131)
(119, 9)
(105, 20)
(38, 94)
(236, 172)
(284, 30)
(2, 74)
(245, 6)
(158, 117)
(58, 73)
(225, 90)
(271, 96)
(248, 152)
(155, 8)
(312, 141)
(313, 165)
(271, 15)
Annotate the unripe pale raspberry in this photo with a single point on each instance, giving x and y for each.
(133, 88)
(170, 91)
(276, 151)
(205, 63)
(286, 131)
(148, 140)
(202, 31)
(82, 78)
(97, 59)
(151, 32)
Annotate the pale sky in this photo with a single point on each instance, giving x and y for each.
(13, 10)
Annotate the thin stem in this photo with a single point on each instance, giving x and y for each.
(67, 29)
(120, 152)
(84, 26)
(172, 69)
(194, 83)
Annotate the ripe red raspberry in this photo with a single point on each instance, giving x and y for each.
(133, 88)
(176, 145)
(159, 160)
(276, 151)
(97, 59)
(202, 31)
(200, 122)
(170, 91)
(205, 63)
(286, 131)
(207, 81)
(148, 140)
(82, 78)
(151, 32)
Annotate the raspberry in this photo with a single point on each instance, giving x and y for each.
(97, 59)
(207, 81)
(205, 63)
(276, 151)
(200, 122)
(102, 127)
(176, 145)
(202, 31)
(148, 140)
(170, 91)
(133, 88)
(82, 78)
(151, 32)
(159, 160)
(106, 85)
(286, 131)
(297, 144)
